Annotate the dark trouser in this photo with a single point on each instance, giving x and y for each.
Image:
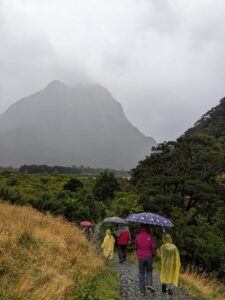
(168, 287)
(122, 252)
(145, 273)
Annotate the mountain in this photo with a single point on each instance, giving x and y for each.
(60, 125)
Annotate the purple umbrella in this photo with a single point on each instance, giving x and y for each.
(149, 218)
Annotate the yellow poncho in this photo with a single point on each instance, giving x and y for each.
(170, 262)
(108, 245)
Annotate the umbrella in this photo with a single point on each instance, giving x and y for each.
(150, 218)
(86, 223)
(115, 220)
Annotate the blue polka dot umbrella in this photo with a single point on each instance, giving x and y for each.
(150, 218)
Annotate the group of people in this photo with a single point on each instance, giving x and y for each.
(146, 248)
(123, 239)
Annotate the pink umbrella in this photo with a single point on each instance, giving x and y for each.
(86, 223)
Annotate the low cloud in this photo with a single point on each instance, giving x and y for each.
(162, 60)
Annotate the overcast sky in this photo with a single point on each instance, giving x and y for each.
(163, 60)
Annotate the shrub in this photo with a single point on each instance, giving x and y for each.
(73, 185)
(105, 186)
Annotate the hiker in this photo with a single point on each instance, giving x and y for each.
(123, 239)
(145, 248)
(108, 244)
(88, 231)
(170, 264)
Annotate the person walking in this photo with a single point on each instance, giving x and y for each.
(145, 248)
(88, 231)
(170, 264)
(108, 244)
(123, 239)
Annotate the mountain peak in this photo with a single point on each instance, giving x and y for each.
(55, 84)
(61, 125)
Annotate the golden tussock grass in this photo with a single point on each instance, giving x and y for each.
(201, 285)
(42, 257)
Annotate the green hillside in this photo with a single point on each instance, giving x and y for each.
(184, 180)
(211, 123)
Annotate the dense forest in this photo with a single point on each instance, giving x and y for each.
(183, 180)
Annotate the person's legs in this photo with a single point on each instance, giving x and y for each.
(170, 289)
(124, 251)
(120, 255)
(149, 270)
(164, 288)
(141, 264)
(149, 262)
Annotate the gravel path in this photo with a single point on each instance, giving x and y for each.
(129, 290)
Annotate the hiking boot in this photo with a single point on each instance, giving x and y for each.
(151, 288)
(170, 292)
(164, 288)
(142, 293)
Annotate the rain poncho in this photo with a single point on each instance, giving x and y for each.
(123, 235)
(145, 243)
(170, 261)
(108, 244)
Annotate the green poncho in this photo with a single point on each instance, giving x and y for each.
(170, 261)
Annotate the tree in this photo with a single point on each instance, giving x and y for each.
(73, 185)
(105, 186)
(182, 180)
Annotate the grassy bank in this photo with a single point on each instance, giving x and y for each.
(104, 285)
(201, 285)
(43, 257)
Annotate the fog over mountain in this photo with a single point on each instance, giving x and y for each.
(162, 60)
(62, 125)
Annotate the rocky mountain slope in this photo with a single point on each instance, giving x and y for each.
(61, 125)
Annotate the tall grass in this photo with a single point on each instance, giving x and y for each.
(201, 285)
(42, 257)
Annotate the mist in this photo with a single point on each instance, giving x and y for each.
(162, 60)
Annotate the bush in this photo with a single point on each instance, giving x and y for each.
(73, 185)
(105, 186)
